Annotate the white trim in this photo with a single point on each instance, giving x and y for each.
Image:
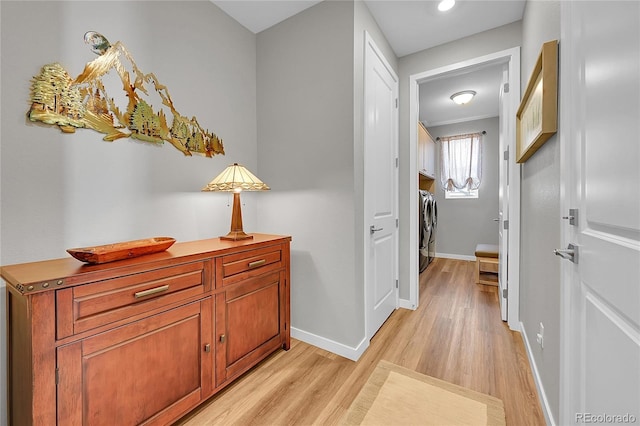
(456, 256)
(546, 408)
(458, 120)
(512, 57)
(352, 353)
(407, 304)
(567, 397)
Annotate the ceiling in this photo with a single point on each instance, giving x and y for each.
(437, 108)
(411, 26)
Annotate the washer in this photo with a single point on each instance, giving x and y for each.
(425, 203)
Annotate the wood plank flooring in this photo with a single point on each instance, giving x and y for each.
(456, 335)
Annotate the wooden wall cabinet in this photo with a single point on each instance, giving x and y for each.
(145, 340)
(426, 160)
(426, 153)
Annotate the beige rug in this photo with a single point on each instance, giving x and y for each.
(395, 395)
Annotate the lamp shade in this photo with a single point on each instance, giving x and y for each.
(236, 178)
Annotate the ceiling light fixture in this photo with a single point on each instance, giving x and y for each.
(463, 97)
(445, 5)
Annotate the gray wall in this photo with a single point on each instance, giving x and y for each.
(495, 40)
(540, 218)
(60, 191)
(310, 88)
(305, 126)
(464, 223)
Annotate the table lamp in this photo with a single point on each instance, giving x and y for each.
(236, 178)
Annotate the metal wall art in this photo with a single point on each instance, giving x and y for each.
(57, 99)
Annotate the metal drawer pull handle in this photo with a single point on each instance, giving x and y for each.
(257, 263)
(151, 291)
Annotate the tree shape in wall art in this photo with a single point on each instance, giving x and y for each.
(57, 99)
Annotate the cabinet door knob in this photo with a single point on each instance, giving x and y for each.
(222, 338)
(207, 348)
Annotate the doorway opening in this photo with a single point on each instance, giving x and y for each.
(511, 59)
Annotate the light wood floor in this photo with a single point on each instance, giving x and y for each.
(456, 335)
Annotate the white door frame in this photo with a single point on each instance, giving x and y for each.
(369, 42)
(512, 57)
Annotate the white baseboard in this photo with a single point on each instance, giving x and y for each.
(406, 304)
(331, 345)
(546, 409)
(456, 256)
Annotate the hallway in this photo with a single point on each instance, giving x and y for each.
(456, 335)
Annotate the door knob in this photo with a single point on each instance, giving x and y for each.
(373, 229)
(570, 253)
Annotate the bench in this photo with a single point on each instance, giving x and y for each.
(487, 264)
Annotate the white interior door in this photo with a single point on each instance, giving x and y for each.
(503, 196)
(381, 186)
(600, 63)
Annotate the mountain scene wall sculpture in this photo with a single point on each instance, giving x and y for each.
(83, 102)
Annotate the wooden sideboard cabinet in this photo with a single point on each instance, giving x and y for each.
(143, 340)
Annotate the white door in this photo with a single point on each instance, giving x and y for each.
(600, 88)
(503, 195)
(380, 183)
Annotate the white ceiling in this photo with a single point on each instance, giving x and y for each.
(437, 108)
(411, 26)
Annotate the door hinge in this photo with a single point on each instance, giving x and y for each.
(396, 283)
(505, 293)
(506, 88)
(506, 155)
(57, 376)
(506, 224)
(396, 102)
(397, 222)
(397, 162)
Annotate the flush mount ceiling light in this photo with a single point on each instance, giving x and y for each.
(463, 97)
(445, 5)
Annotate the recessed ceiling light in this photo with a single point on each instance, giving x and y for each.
(463, 97)
(445, 5)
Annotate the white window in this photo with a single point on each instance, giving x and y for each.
(460, 193)
(461, 165)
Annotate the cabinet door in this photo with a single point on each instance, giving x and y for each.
(426, 153)
(422, 148)
(249, 323)
(430, 158)
(146, 372)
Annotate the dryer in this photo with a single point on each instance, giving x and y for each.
(431, 245)
(425, 203)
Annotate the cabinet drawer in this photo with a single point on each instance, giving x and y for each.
(255, 262)
(92, 305)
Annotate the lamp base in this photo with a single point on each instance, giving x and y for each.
(236, 236)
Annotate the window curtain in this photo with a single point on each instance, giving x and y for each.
(461, 162)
